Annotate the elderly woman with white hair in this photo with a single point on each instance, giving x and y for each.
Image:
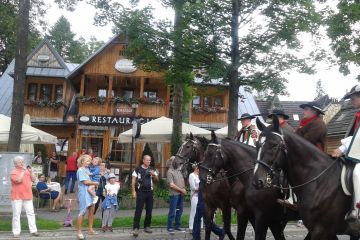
(21, 196)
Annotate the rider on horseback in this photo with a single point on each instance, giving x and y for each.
(354, 96)
(249, 133)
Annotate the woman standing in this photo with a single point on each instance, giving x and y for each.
(84, 197)
(194, 187)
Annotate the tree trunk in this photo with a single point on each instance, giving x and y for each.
(19, 77)
(234, 73)
(178, 86)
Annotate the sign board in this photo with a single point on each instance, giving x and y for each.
(354, 148)
(123, 110)
(111, 120)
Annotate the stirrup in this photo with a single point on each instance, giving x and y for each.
(287, 204)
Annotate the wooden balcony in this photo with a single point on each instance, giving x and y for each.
(209, 117)
(108, 107)
(44, 112)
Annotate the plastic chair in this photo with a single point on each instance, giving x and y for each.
(37, 195)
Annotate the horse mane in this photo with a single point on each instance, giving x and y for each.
(243, 145)
(204, 142)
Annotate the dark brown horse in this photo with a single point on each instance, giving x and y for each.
(218, 194)
(240, 159)
(314, 176)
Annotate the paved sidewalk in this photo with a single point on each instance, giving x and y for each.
(292, 232)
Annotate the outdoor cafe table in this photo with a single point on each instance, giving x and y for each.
(54, 186)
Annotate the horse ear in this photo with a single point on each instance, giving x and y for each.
(260, 125)
(186, 136)
(191, 136)
(213, 137)
(276, 124)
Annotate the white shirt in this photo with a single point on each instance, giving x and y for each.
(345, 144)
(194, 184)
(112, 189)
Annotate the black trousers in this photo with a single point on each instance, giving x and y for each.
(143, 197)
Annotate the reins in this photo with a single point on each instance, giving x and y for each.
(234, 175)
(310, 181)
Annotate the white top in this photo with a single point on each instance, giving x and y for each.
(194, 184)
(112, 189)
(345, 144)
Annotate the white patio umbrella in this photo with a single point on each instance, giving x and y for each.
(27, 147)
(160, 130)
(223, 132)
(29, 134)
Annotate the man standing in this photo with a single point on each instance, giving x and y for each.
(312, 127)
(248, 133)
(71, 168)
(282, 117)
(176, 183)
(142, 190)
(54, 163)
(21, 196)
(354, 96)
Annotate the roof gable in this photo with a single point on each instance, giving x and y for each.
(45, 56)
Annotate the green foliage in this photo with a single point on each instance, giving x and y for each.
(8, 26)
(41, 224)
(343, 31)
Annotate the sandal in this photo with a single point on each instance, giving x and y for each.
(92, 232)
(80, 236)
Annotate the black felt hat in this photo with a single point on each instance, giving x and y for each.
(313, 105)
(354, 90)
(245, 116)
(278, 112)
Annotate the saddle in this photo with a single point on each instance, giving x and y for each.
(347, 177)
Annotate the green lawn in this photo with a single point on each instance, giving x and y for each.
(119, 222)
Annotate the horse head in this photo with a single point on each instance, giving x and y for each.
(271, 154)
(190, 152)
(213, 160)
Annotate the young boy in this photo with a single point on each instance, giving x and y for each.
(94, 174)
(110, 203)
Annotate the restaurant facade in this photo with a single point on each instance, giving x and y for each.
(88, 105)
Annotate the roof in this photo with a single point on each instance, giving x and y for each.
(56, 67)
(6, 90)
(211, 82)
(340, 123)
(291, 108)
(247, 103)
(80, 66)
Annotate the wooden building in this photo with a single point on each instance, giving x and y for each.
(91, 103)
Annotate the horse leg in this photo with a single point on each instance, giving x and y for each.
(208, 220)
(277, 230)
(260, 228)
(227, 221)
(242, 221)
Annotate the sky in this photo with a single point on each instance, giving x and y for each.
(301, 87)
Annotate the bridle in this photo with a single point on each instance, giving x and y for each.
(194, 151)
(271, 170)
(211, 174)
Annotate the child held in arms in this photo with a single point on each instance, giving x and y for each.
(110, 203)
(94, 174)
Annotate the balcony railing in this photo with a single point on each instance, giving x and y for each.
(44, 109)
(106, 106)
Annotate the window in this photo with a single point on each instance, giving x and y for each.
(207, 101)
(156, 149)
(45, 92)
(296, 117)
(196, 101)
(102, 92)
(218, 102)
(120, 152)
(32, 91)
(150, 94)
(128, 93)
(58, 93)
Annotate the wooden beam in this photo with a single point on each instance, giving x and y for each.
(110, 88)
(167, 101)
(82, 85)
(142, 82)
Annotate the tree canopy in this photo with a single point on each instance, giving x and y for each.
(343, 30)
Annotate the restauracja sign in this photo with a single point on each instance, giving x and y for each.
(111, 120)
